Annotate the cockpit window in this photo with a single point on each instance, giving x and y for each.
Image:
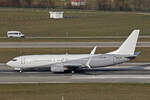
(14, 59)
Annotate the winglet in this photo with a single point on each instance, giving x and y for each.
(93, 51)
(90, 57)
(128, 47)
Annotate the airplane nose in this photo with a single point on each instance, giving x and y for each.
(8, 63)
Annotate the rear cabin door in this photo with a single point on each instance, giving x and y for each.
(117, 59)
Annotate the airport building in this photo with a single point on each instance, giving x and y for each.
(56, 14)
(79, 2)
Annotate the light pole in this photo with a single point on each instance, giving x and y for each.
(62, 98)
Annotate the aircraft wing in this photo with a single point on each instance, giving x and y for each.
(85, 61)
(73, 64)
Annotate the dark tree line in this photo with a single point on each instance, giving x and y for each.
(27, 3)
(124, 5)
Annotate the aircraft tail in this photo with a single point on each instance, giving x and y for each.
(128, 47)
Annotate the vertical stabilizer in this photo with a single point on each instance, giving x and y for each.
(128, 47)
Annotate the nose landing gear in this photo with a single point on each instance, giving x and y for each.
(18, 70)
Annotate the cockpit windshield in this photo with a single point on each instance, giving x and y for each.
(14, 59)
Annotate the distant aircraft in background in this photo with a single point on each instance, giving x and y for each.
(75, 62)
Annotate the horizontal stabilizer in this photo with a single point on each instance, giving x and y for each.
(137, 53)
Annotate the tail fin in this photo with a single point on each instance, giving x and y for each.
(128, 47)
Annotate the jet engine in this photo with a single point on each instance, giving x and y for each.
(58, 68)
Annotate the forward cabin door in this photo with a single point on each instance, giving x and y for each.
(22, 60)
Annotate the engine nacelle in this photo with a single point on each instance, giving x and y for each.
(57, 68)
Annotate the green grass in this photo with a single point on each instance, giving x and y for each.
(35, 22)
(75, 91)
(8, 54)
(68, 40)
(61, 40)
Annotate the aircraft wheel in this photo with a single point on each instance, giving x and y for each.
(18, 70)
(72, 71)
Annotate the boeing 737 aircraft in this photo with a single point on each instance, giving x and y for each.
(74, 62)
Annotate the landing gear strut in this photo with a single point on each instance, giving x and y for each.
(18, 69)
(72, 71)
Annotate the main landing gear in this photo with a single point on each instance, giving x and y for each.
(72, 71)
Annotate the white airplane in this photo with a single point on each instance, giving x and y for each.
(74, 62)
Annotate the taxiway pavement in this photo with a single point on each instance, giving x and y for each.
(65, 44)
(125, 73)
(82, 37)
